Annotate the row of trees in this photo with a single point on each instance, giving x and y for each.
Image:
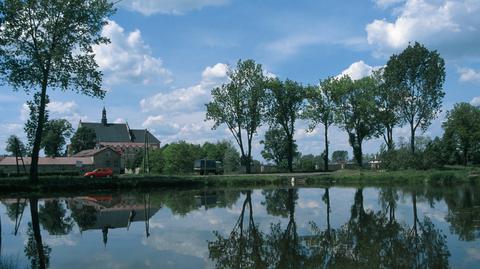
(408, 90)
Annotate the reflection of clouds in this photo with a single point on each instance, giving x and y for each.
(55, 241)
(438, 212)
(473, 253)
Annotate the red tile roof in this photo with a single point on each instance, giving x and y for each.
(49, 161)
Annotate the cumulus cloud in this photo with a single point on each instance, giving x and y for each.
(189, 99)
(175, 7)
(453, 26)
(358, 70)
(469, 75)
(475, 101)
(128, 58)
(57, 110)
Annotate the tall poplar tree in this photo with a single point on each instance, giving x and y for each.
(418, 75)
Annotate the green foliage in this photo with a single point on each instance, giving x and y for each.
(276, 147)
(15, 146)
(429, 154)
(387, 102)
(55, 135)
(309, 162)
(417, 74)
(340, 156)
(137, 160)
(462, 130)
(179, 157)
(355, 111)
(240, 104)
(156, 160)
(83, 139)
(285, 101)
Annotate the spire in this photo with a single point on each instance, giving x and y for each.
(104, 116)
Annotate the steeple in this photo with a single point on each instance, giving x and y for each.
(104, 116)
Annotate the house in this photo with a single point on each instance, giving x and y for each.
(80, 163)
(121, 138)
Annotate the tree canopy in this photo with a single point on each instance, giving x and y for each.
(240, 105)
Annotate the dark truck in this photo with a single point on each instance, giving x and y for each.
(203, 167)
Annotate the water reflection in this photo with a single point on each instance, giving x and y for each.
(331, 227)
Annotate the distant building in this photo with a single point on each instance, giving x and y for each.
(121, 138)
(81, 162)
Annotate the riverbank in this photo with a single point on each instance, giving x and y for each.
(343, 177)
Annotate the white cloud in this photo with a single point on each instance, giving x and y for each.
(128, 58)
(57, 110)
(358, 70)
(475, 101)
(175, 7)
(188, 99)
(468, 74)
(453, 26)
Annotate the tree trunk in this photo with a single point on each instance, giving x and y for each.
(326, 149)
(390, 144)
(358, 153)
(36, 232)
(465, 156)
(412, 138)
(415, 216)
(38, 135)
(290, 153)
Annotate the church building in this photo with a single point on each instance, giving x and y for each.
(121, 138)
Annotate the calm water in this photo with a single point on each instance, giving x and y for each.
(334, 227)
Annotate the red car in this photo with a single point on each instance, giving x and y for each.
(99, 172)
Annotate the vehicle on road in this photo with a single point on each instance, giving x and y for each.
(99, 172)
(204, 167)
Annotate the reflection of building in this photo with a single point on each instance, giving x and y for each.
(120, 137)
(113, 212)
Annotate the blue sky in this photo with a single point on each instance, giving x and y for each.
(166, 56)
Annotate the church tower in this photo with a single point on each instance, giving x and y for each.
(104, 117)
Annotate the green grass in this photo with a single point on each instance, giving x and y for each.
(443, 177)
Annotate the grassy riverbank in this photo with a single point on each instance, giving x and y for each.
(344, 177)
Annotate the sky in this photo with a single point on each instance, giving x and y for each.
(165, 57)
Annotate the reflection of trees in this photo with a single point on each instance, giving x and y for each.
(84, 215)
(243, 247)
(284, 244)
(15, 212)
(37, 253)
(369, 239)
(464, 211)
(53, 219)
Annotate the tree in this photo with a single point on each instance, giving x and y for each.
(179, 157)
(285, 100)
(418, 76)
(240, 104)
(340, 156)
(55, 136)
(231, 159)
(84, 138)
(320, 109)
(275, 147)
(45, 43)
(15, 146)
(355, 111)
(388, 104)
(462, 129)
